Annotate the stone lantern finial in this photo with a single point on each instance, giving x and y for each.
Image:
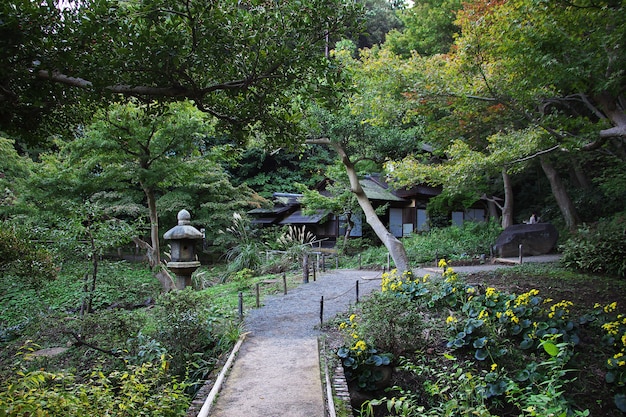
(183, 217)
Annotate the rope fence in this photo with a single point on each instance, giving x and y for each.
(310, 269)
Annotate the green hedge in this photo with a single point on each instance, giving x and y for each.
(598, 248)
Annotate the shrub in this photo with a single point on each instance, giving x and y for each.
(495, 333)
(246, 252)
(471, 240)
(22, 260)
(598, 249)
(391, 323)
(187, 325)
(135, 391)
(361, 360)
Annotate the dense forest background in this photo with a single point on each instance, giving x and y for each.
(115, 115)
(139, 109)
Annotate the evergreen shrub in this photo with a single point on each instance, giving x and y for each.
(598, 248)
(22, 260)
(472, 239)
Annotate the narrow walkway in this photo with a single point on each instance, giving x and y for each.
(277, 373)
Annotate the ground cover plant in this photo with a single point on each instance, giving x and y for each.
(138, 351)
(533, 340)
(462, 244)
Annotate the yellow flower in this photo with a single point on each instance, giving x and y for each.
(360, 346)
(451, 320)
(343, 325)
(512, 316)
(352, 317)
(611, 307)
(442, 263)
(611, 328)
(483, 315)
(491, 292)
(494, 366)
(562, 306)
(408, 275)
(524, 299)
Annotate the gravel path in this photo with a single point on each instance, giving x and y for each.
(298, 312)
(276, 373)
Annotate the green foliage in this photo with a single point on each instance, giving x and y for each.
(613, 327)
(498, 331)
(177, 51)
(450, 389)
(391, 324)
(380, 18)
(130, 322)
(242, 278)
(267, 172)
(246, 250)
(187, 326)
(134, 391)
(600, 248)
(22, 260)
(454, 388)
(361, 361)
(428, 28)
(468, 241)
(15, 169)
(297, 242)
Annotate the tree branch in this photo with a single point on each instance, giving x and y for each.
(536, 154)
(81, 342)
(176, 91)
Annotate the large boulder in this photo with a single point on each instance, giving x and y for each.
(536, 239)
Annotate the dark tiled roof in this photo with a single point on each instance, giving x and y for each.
(298, 218)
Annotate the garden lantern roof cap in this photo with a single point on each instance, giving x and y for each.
(184, 229)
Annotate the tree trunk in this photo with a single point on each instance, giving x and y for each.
(154, 257)
(393, 244)
(560, 194)
(346, 235)
(507, 208)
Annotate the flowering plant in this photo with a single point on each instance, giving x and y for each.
(361, 361)
(613, 325)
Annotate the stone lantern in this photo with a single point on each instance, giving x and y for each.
(182, 239)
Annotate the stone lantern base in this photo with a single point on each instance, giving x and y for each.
(183, 271)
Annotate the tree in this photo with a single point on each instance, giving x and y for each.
(14, 170)
(240, 61)
(380, 18)
(135, 157)
(337, 198)
(141, 146)
(539, 62)
(348, 135)
(528, 72)
(428, 28)
(368, 119)
(267, 171)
